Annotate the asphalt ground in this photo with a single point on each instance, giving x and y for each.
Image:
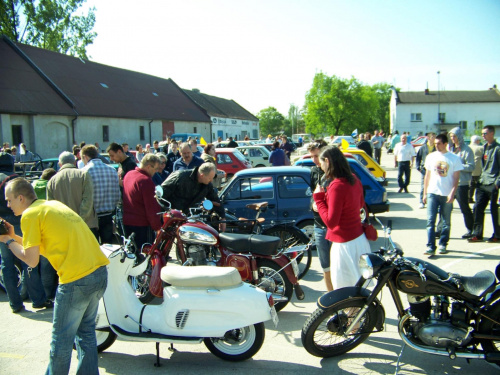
(25, 338)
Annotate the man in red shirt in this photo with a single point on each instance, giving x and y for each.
(140, 207)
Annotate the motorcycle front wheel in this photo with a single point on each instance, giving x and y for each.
(293, 236)
(323, 333)
(237, 344)
(275, 282)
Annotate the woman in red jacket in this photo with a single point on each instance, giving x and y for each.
(339, 207)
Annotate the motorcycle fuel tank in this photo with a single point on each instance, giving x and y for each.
(409, 281)
(198, 233)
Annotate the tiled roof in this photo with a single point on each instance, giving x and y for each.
(23, 90)
(486, 96)
(219, 107)
(100, 90)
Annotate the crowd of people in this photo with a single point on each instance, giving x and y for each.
(54, 225)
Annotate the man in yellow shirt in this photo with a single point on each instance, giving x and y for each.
(55, 231)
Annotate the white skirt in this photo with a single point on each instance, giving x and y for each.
(344, 258)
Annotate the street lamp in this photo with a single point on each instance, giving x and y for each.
(439, 99)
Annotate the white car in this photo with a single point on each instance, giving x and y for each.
(257, 155)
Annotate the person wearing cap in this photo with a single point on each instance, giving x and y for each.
(9, 271)
(269, 139)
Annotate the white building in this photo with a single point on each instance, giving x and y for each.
(427, 111)
(229, 119)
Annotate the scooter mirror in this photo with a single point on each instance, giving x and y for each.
(158, 191)
(208, 205)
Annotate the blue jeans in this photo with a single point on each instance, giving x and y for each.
(435, 203)
(323, 246)
(49, 278)
(75, 311)
(10, 276)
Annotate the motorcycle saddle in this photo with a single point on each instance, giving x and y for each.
(201, 276)
(478, 284)
(253, 243)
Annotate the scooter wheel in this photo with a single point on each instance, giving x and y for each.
(105, 338)
(238, 344)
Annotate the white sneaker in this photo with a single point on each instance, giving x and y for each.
(442, 249)
(421, 205)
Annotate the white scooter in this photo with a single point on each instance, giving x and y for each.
(204, 303)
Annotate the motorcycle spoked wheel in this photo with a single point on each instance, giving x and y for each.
(293, 236)
(322, 334)
(238, 344)
(274, 282)
(487, 326)
(140, 284)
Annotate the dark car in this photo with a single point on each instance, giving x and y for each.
(375, 193)
(286, 189)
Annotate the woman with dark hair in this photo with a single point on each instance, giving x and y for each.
(339, 208)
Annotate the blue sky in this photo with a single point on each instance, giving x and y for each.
(265, 53)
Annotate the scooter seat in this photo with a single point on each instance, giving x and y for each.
(250, 243)
(201, 276)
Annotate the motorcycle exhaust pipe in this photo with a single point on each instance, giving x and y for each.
(299, 293)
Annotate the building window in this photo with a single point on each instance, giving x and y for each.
(416, 117)
(142, 137)
(478, 125)
(105, 133)
(17, 134)
(195, 129)
(463, 125)
(442, 118)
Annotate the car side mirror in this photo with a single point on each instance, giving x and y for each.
(308, 192)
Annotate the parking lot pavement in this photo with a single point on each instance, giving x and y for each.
(24, 343)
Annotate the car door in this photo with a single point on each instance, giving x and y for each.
(245, 190)
(294, 197)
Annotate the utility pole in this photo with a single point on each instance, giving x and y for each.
(439, 99)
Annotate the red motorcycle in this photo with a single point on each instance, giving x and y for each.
(257, 257)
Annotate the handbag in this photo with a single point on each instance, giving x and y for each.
(370, 231)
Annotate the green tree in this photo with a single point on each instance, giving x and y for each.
(380, 118)
(49, 24)
(270, 121)
(338, 106)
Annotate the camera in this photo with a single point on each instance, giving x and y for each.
(3, 227)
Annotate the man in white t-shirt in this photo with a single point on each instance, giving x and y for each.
(440, 184)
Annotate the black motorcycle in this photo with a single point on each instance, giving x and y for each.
(448, 314)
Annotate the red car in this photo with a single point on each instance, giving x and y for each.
(230, 160)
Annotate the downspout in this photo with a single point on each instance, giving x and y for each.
(73, 122)
(150, 139)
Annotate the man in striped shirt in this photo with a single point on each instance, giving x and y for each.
(106, 191)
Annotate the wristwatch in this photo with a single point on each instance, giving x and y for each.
(10, 241)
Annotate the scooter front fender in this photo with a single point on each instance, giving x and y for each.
(331, 299)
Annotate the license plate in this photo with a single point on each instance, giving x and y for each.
(295, 267)
(274, 317)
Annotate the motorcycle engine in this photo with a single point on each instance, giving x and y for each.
(436, 327)
(198, 254)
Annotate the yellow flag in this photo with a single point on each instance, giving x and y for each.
(202, 141)
(344, 144)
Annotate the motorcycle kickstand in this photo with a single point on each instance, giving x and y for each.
(157, 364)
(399, 358)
